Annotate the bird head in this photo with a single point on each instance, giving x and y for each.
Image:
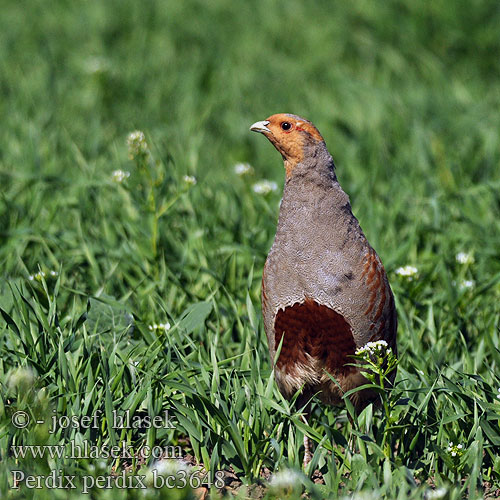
(294, 137)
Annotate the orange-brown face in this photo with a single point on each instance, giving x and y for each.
(290, 135)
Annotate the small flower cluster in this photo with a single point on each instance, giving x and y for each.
(264, 187)
(120, 175)
(21, 378)
(436, 494)
(137, 145)
(161, 326)
(95, 65)
(407, 271)
(378, 358)
(466, 284)
(167, 467)
(189, 179)
(455, 449)
(41, 274)
(374, 348)
(242, 169)
(464, 258)
(498, 395)
(285, 480)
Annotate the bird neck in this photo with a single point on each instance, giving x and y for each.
(315, 170)
(313, 184)
(312, 207)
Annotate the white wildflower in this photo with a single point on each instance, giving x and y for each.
(137, 145)
(165, 467)
(285, 479)
(455, 450)
(95, 65)
(120, 175)
(54, 273)
(168, 467)
(242, 169)
(436, 494)
(407, 271)
(21, 378)
(498, 395)
(464, 284)
(189, 179)
(38, 276)
(378, 347)
(265, 187)
(464, 258)
(159, 326)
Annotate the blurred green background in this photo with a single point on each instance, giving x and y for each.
(407, 97)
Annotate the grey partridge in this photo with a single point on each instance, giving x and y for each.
(324, 287)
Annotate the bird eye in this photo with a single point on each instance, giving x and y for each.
(286, 125)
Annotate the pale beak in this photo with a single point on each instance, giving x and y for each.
(260, 126)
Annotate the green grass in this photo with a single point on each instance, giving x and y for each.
(407, 98)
